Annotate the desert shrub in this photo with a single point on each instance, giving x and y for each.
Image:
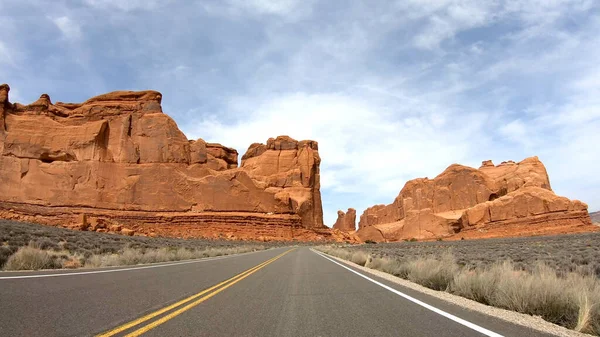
(564, 253)
(43, 244)
(433, 273)
(585, 289)
(93, 261)
(359, 258)
(129, 256)
(540, 293)
(18, 234)
(5, 253)
(183, 254)
(390, 266)
(132, 256)
(30, 258)
(570, 299)
(478, 285)
(339, 252)
(69, 248)
(71, 263)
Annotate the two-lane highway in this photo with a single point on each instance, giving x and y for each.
(279, 292)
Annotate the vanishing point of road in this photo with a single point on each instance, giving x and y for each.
(291, 291)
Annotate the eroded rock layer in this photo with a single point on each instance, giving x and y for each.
(119, 156)
(466, 200)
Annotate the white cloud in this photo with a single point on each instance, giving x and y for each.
(5, 55)
(380, 130)
(392, 91)
(445, 18)
(515, 131)
(289, 10)
(128, 5)
(364, 148)
(279, 7)
(70, 28)
(437, 30)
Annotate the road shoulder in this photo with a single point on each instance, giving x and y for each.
(531, 322)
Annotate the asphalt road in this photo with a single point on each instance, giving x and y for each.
(279, 292)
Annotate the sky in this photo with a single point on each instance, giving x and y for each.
(391, 90)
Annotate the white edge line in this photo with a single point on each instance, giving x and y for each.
(126, 269)
(416, 301)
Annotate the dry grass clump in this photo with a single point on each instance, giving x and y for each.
(390, 266)
(571, 300)
(564, 253)
(30, 258)
(61, 241)
(131, 256)
(433, 273)
(73, 249)
(359, 258)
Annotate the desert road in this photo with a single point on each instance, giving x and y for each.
(279, 292)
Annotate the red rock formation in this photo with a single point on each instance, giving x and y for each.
(118, 156)
(4, 105)
(346, 222)
(290, 170)
(463, 199)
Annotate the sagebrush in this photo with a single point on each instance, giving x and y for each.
(569, 299)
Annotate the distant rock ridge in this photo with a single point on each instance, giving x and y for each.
(507, 197)
(595, 216)
(119, 151)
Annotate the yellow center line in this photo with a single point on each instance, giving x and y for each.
(188, 299)
(195, 303)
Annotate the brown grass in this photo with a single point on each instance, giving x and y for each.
(571, 300)
(31, 257)
(131, 256)
(61, 242)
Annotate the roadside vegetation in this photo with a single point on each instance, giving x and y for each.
(562, 253)
(25, 246)
(570, 299)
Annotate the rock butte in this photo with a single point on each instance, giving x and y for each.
(117, 163)
(511, 199)
(346, 221)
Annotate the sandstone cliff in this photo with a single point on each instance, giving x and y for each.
(117, 156)
(492, 199)
(346, 221)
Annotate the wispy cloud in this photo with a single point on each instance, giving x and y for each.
(129, 5)
(238, 9)
(5, 56)
(70, 29)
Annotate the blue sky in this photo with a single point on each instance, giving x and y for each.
(391, 90)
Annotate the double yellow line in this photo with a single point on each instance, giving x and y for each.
(194, 299)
